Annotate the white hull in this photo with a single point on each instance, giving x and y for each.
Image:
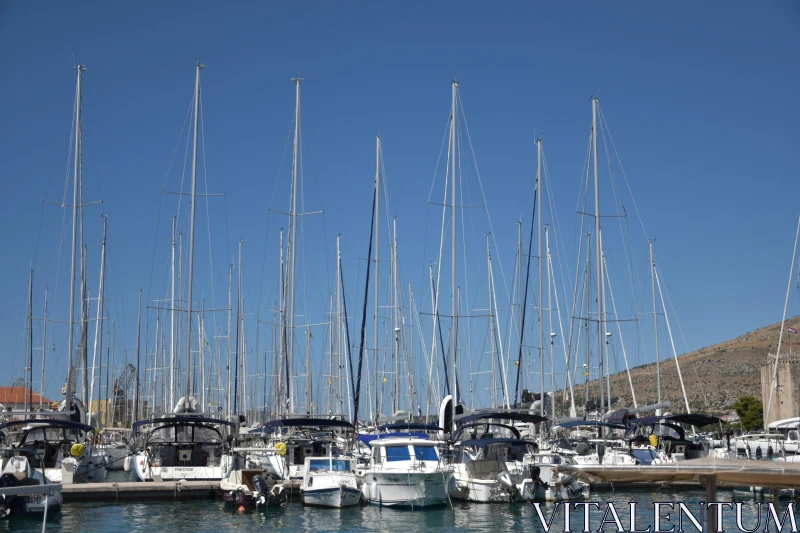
(336, 497)
(115, 455)
(481, 491)
(146, 472)
(406, 489)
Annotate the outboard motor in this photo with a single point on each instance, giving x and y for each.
(261, 487)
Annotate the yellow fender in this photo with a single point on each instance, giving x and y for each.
(280, 448)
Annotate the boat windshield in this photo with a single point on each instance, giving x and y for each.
(397, 453)
(425, 453)
(44, 434)
(336, 465)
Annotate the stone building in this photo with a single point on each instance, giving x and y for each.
(786, 396)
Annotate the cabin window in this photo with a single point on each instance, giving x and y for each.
(376, 455)
(425, 453)
(397, 453)
(337, 465)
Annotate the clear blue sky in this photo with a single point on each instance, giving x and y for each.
(701, 99)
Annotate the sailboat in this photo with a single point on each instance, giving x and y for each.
(60, 443)
(186, 443)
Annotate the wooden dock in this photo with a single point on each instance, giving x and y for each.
(135, 490)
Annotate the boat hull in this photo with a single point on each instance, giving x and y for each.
(336, 497)
(406, 489)
(145, 471)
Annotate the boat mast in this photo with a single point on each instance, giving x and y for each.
(293, 244)
(172, 339)
(71, 339)
(44, 349)
(230, 311)
(29, 355)
(191, 238)
(238, 332)
(598, 258)
(539, 273)
(136, 391)
(655, 324)
(377, 267)
(98, 329)
(453, 327)
(395, 291)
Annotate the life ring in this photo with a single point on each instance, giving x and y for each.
(280, 448)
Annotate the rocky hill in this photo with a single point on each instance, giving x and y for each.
(715, 376)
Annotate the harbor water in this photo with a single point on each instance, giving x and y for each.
(214, 516)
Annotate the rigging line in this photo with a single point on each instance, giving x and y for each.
(357, 395)
(347, 332)
(525, 300)
(627, 248)
(483, 197)
(680, 330)
(163, 185)
(208, 223)
(635, 207)
(269, 207)
(41, 218)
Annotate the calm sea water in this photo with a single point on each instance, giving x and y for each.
(214, 516)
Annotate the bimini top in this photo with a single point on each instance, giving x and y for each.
(303, 423)
(480, 443)
(461, 429)
(181, 421)
(516, 416)
(409, 426)
(695, 419)
(592, 423)
(48, 422)
(786, 423)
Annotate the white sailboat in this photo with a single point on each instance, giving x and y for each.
(186, 443)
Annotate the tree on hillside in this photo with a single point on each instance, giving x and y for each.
(750, 411)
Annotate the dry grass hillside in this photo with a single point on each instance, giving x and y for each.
(715, 376)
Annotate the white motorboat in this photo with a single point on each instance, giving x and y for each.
(556, 486)
(25, 491)
(330, 482)
(489, 470)
(405, 472)
(250, 487)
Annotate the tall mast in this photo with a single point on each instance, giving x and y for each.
(71, 339)
(136, 391)
(539, 268)
(454, 327)
(172, 340)
(655, 322)
(309, 384)
(491, 319)
(598, 258)
(230, 311)
(237, 363)
(395, 287)
(550, 315)
(281, 407)
(29, 342)
(191, 238)
(98, 329)
(44, 349)
(293, 245)
(377, 265)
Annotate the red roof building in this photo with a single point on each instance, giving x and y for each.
(14, 397)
